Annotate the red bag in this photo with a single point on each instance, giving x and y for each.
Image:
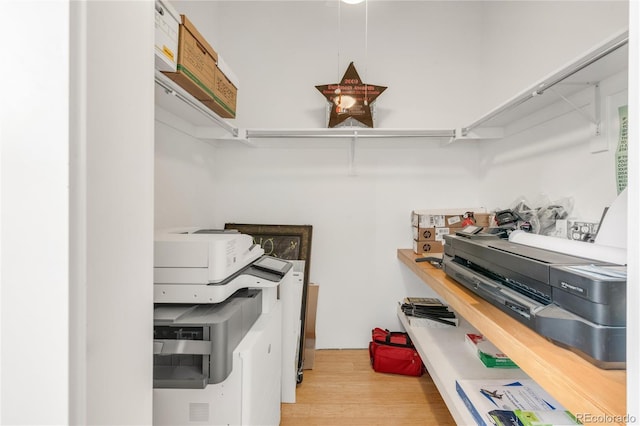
(393, 352)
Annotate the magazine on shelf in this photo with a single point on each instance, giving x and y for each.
(512, 402)
(487, 352)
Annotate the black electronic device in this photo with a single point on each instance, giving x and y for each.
(547, 291)
(435, 261)
(469, 230)
(506, 217)
(273, 264)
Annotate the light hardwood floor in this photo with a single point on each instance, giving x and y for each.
(343, 389)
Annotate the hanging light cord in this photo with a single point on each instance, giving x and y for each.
(339, 38)
(366, 48)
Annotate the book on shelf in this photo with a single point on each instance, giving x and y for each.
(428, 312)
(487, 352)
(516, 402)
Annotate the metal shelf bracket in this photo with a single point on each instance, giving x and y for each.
(593, 119)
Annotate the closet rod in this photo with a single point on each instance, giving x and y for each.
(172, 89)
(540, 88)
(359, 132)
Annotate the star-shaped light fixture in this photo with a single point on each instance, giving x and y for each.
(351, 98)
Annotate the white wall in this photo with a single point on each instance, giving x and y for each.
(34, 216)
(436, 61)
(185, 177)
(111, 235)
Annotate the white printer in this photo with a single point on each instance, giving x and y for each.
(217, 329)
(196, 265)
(200, 256)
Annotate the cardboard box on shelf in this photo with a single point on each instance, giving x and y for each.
(482, 219)
(454, 221)
(426, 220)
(429, 218)
(428, 247)
(228, 72)
(224, 96)
(462, 220)
(431, 234)
(196, 61)
(166, 36)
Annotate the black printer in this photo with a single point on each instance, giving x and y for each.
(576, 302)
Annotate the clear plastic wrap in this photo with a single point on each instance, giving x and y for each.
(539, 216)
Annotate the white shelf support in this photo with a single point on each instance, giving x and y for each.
(480, 133)
(595, 119)
(597, 102)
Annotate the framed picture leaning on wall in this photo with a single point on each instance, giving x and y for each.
(287, 242)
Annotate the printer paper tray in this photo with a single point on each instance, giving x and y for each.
(178, 346)
(178, 377)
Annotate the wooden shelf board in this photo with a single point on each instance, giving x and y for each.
(577, 384)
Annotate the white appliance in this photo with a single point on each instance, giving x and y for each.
(201, 256)
(249, 396)
(209, 305)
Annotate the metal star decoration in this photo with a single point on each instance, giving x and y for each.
(351, 98)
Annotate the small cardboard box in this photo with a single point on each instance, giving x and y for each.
(223, 101)
(458, 221)
(196, 67)
(454, 221)
(429, 218)
(431, 234)
(426, 220)
(427, 247)
(166, 36)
